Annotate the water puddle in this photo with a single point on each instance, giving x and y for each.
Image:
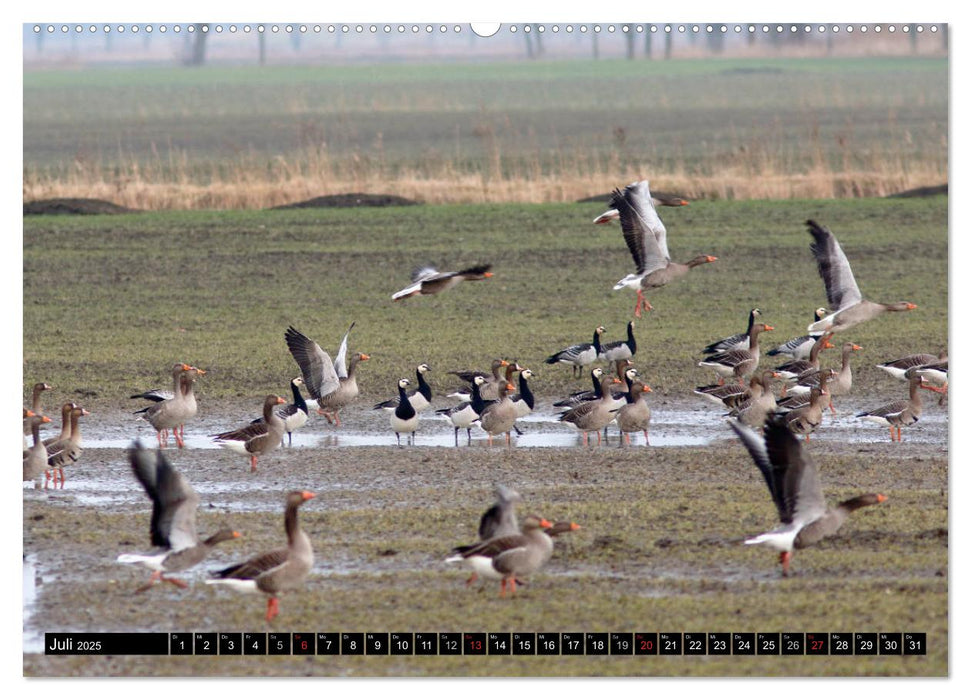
(33, 639)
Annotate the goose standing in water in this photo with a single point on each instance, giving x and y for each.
(64, 452)
(793, 482)
(635, 415)
(466, 413)
(294, 415)
(841, 290)
(277, 571)
(898, 414)
(420, 397)
(173, 524)
(593, 416)
(35, 456)
(170, 410)
(330, 383)
(646, 239)
(256, 439)
(404, 419)
(500, 417)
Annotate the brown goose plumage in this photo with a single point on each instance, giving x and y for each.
(738, 363)
(64, 452)
(35, 456)
(839, 384)
(793, 482)
(898, 414)
(256, 439)
(500, 417)
(427, 280)
(277, 571)
(805, 419)
(173, 524)
(635, 415)
(35, 407)
(593, 415)
(170, 412)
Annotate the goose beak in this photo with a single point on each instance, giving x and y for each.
(881, 498)
(487, 274)
(307, 495)
(364, 357)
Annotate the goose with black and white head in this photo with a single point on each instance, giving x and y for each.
(404, 419)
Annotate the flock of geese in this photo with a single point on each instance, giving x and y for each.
(769, 426)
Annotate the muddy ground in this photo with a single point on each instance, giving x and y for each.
(660, 547)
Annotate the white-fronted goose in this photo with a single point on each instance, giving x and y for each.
(508, 557)
(404, 418)
(170, 412)
(35, 456)
(256, 439)
(500, 417)
(420, 397)
(278, 571)
(898, 414)
(427, 280)
(618, 350)
(739, 341)
(842, 292)
(64, 452)
(738, 363)
(524, 399)
(659, 199)
(793, 482)
(646, 239)
(805, 419)
(489, 390)
(839, 385)
(35, 407)
(173, 524)
(635, 415)
(466, 413)
(579, 355)
(593, 416)
(799, 348)
(294, 415)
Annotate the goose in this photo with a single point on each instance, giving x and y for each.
(256, 439)
(841, 382)
(427, 280)
(898, 368)
(934, 375)
(171, 411)
(35, 456)
(498, 521)
(794, 485)
(579, 355)
(329, 382)
(404, 419)
(738, 363)
(635, 416)
(805, 419)
(658, 199)
(618, 350)
(646, 239)
(500, 417)
(67, 451)
(841, 290)
(65, 433)
(466, 413)
(620, 397)
(420, 397)
(791, 371)
(820, 380)
(753, 410)
(593, 415)
(507, 557)
(799, 348)
(173, 524)
(294, 415)
(490, 389)
(277, 571)
(35, 408)
(524, 401)
(739, 341)
(898, 414)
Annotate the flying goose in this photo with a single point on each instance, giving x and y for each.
(659, 199)
(427, 280)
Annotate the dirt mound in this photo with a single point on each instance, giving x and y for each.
(74, 206)
(352, 199)
(922, 191)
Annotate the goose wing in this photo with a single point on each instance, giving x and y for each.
(644, 233)
(174, 501)
(318, 370)
(834, 268)
(340, 362)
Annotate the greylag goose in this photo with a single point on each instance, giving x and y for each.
(35, 456)
(753, 410)
(561, 526)
(404, 418)
(500, 417)
(63, 452)
(934, 375)
(490, 389)
(499, 521)
(839, 385)
(842, 292)
(428, 280)
(799, 348)
(347, 391)
(65, 433)
(294, 415)
(466, 413)
(173, 524)
(646, 239)
(420, 397)
(169, 411)
(593, 416)
(35, 408)
(738, 363)
(579, 355)
(739, 341)
(508, 557)
(658, 199)
(256, 439)
(277, 571)
(635, 416)
(619, 350)
(898, 414)
(330, 383)
(898, 368)
(805, 419)
(819, 379)
(793, 482)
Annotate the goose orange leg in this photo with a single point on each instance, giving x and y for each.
(784, 558)
(272, 608)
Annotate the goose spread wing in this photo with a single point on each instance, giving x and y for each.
(642, 229)
(340, 362)
(834, 268)
(174, 500)
(316, 366)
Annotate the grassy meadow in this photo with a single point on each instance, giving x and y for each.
(247, 137)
